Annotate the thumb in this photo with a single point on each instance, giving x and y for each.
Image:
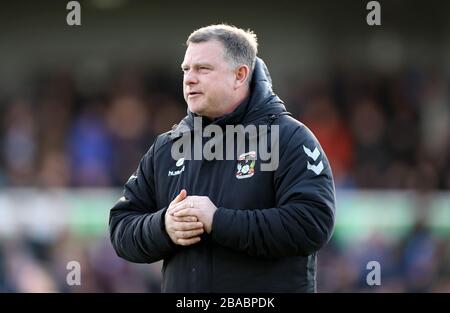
(181, 196)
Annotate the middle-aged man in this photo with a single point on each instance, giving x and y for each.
(228, 224)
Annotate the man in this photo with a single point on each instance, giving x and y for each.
(226, 225)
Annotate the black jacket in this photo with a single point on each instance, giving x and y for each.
(268, 226)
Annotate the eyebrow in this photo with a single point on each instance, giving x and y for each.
(196, 65)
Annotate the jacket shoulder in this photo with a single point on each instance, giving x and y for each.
(296, 136)
(175, 132)
(289, 126)
(162, 140)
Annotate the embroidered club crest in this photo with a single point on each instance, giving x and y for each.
(246, 165)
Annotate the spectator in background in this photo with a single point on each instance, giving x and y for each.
(128, 121)
(368, 124)
(321, 116)
(90, 148)
(19, 144)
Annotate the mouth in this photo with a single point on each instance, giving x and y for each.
(193, 94)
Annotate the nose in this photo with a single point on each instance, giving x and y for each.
(190, 78)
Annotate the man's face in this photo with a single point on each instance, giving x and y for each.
(209, 80)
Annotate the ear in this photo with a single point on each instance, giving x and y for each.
(242, 73)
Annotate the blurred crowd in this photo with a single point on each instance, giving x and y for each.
(417, 262)
(380, 131)
(55, 136)
(31, 265)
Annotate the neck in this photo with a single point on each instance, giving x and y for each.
(239, 99)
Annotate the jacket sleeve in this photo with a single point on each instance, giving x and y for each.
(136, 227)
(303, 219)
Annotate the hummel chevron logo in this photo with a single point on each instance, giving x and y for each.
(317, 169)
(313, 155)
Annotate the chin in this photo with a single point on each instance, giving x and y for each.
(196, 108)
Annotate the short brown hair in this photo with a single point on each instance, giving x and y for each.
(241, 46)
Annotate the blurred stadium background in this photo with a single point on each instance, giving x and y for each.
(80, 105)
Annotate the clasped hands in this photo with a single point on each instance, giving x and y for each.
(187, 217)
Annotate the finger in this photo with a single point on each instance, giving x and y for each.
(173, 207)
(189, 233)
(186, 203)
(183, 226)
(187, 242)
(186, 212)
(185, 218)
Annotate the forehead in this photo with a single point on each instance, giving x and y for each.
(204, 52)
